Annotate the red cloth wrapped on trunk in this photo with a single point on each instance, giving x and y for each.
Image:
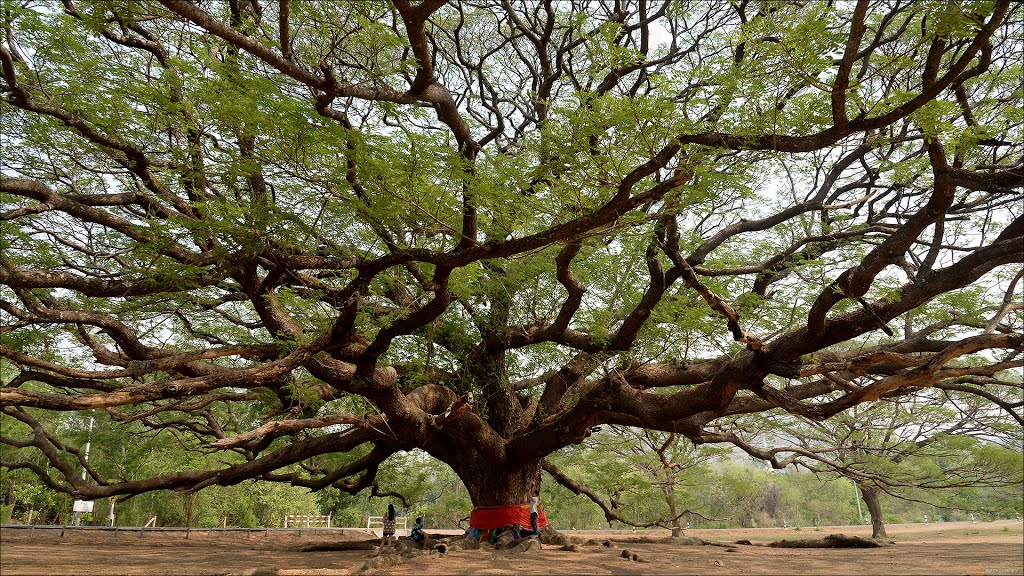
(491, 517)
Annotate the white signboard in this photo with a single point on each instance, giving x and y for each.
(82, 506)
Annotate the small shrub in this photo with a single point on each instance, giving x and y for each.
(7, 512)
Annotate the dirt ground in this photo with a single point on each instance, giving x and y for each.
(949, 548)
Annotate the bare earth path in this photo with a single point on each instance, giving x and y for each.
(951, 548)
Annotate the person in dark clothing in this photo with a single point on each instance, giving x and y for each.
(417, 530)
(389, 527)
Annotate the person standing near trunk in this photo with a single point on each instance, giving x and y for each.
(389, 527)
(534, 503)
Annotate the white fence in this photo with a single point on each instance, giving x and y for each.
(307, 521)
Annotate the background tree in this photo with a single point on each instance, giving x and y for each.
(637, 477)
(907, 448)
(303, 237)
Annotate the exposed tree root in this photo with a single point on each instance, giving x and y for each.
(339, 546)
(830, 541)
(678, 541)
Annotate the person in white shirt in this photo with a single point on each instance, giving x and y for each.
(534, 501)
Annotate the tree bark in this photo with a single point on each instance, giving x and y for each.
(870, 497)
(668, 489)
(190, 508)
(497, 484)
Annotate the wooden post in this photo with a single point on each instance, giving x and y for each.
(189, 509)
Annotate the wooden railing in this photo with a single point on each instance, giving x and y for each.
(307, 520)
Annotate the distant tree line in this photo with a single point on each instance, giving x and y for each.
(724, 491)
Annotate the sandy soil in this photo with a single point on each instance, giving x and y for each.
(950, 548)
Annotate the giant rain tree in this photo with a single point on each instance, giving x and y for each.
(310, 235)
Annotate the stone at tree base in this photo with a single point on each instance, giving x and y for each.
(408, 548)
(381, 562)
(396, 550)
(466, 544)
(457, 543)
(570, 548)
(549, 535)
(526, 545)
(505, 540)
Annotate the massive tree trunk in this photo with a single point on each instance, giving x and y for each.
(496, 484)
(870, 497)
